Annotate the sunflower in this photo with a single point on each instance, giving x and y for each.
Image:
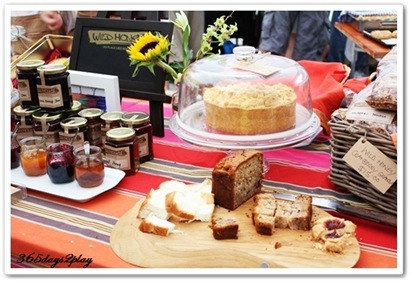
(149, 50)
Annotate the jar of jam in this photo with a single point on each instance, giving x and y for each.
(60, 163)
(73, 131)
(54, 88)
(33, 156)
(110, 120)
(74, 111)
(88, 166)
(24, 117)
(15, 151)
(26, 72)
(122, 150)
(47, 123)
(94, 125)
(140, 121)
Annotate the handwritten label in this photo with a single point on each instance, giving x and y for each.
(372, 164)
(363, 112)
(257, 68)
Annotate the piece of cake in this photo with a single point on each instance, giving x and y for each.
(237, 177)
(225, 228)
(250, 108)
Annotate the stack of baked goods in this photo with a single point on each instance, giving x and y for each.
(247, 108)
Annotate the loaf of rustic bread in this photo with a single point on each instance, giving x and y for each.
(237, 177)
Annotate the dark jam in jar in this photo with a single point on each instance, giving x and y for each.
(110, 120)
(45, 122)
(140, 121)
(15, 152)
(73, 131)
(54, 88)
(94, 125)
(26, 80)
(60, 163)
(122, 150)
(24, 117)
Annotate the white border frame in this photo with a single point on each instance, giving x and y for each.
(109, 83)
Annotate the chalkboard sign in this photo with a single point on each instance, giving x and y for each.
(99, 46)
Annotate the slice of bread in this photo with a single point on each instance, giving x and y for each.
(152, 224)
(267, 211)
(264, 224)
(155, 201)
(225, 228)
(190, 205)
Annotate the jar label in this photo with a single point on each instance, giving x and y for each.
(24, 90)
(24, 131)
(118, 158)
(51, 136)
(50, 96)
(143, 145)
(68, 138)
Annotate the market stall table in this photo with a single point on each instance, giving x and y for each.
(51, 231)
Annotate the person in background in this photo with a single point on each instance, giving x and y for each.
(338, 45)
(299, 35)
(27, 27)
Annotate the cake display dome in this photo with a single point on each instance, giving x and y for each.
(245, 100)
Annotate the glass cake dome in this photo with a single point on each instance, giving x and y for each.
(245, 100)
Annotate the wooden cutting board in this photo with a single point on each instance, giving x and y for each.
(195, 246)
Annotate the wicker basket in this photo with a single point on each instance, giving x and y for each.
(344, 136)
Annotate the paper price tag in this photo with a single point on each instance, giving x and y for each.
(372, 164)
(257, 68)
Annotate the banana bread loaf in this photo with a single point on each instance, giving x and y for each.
(237, 177)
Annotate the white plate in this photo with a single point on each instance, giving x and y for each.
(192, 128)
(70, 190)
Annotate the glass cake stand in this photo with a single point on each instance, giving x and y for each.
(190, 126)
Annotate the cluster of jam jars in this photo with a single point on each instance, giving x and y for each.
(60, 161)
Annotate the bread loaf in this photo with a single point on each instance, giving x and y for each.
(237, 177)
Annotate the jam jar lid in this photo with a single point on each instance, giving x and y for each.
(52, 69)
(135, 118)
(77, 105)
(120, 134)
(112, 116)
(40, 115)
(29, 65)
(91, 113)
(73, 122)
(20, 111)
